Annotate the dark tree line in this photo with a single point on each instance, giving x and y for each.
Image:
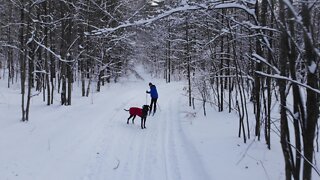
(45, 47)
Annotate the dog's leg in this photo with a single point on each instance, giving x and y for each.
(133, 119)
(129, 118)
(144, 122)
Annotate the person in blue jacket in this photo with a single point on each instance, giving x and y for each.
(154, 97)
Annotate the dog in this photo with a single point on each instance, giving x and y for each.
(143, 113)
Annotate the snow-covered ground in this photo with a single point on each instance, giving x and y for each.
(90, 140)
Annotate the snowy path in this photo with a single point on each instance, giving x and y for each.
(158, 152)
(90, 140)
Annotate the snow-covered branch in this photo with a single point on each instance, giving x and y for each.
(277, 76)
(53, 53)
(182, 8)
(266, 62)
(237, 6)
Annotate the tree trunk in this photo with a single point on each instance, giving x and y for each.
(10, 50)
(188, 58)
(22, 58)
(257, 82)
(30, 47)
(284, 130)
(312, 97)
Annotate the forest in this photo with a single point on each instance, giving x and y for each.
(232, 54)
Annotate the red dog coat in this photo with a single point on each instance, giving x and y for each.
(135, 111)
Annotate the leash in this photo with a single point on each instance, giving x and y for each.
(146, 98)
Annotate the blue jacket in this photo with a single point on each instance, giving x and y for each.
(153, 91)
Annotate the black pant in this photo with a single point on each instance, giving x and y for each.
(154, 103)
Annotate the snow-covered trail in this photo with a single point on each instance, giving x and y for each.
(90, 140)
(159, 152)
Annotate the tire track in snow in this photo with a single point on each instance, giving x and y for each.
(105, 160)
(171, 154)
(154, 162)
(188, 159)
(182, 159)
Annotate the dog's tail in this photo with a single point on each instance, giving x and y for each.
(126, 109)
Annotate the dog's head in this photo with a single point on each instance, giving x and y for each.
(145, 109)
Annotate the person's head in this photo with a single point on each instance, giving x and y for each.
(150, 84)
